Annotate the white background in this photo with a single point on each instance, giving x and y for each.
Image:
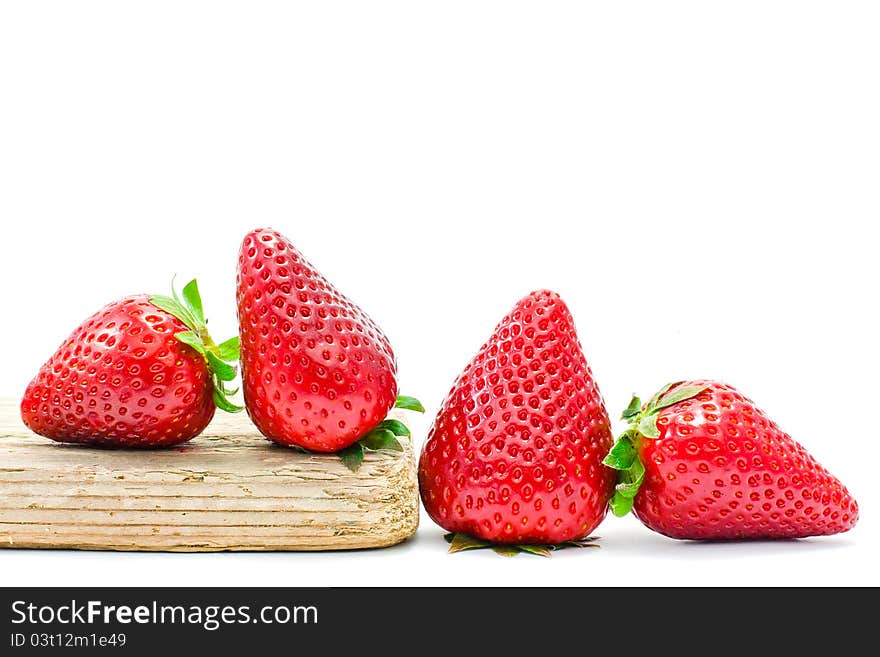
(698, 180)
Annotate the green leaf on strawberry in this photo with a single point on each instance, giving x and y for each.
(193, 301)
(383, 436)
(409, 404)
(459, 542)
(229, 349)
(586, 542)
(630, 480)
(191, 339)
(653, 401)
(678, 395)
(174, 307)
(396, 427)
(647, 426)
(620, 504)
(624, 454)
(635, 405)
(352, 456)
(380, 438)
(505, 550)
(222, 402)
(222, 370)
(188, 308)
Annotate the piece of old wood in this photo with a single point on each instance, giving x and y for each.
(228, 489)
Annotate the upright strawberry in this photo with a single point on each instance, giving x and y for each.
(515, 454)
(700, 461)
(141, 372)
(317, 372)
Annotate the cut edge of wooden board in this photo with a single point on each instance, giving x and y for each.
(204, 547)
(376, 508)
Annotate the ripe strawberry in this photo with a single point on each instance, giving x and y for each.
(515, 453)
(700, 461)
(317, 372)
(141, 372)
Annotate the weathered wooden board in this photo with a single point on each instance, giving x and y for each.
(228, 489)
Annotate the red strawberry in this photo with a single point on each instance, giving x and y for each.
(515, 453)
(700, 461)
(317, 372)
(141, 372)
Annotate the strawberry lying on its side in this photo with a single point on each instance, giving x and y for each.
(141, 372)
(317, 372)
(515, 453)
(700, 461)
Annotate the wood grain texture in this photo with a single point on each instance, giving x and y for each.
(228, 489)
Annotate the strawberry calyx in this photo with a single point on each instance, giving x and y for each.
(382, 436)
(624, 454)
(220, 358)
(459, 542)
(409, 404)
